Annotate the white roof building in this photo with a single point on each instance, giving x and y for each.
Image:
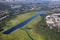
(53, 20)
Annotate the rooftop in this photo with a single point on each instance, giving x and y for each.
(53, 20)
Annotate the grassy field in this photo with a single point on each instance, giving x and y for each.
(20, 34)
(37, 32)
(42, 29)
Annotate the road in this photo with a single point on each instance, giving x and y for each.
(23, 23)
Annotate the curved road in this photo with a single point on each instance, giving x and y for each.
(23, 23)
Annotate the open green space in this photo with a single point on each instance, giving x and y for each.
(37, 32)
(20, 34)
(42, 29)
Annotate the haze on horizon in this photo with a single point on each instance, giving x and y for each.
(39, 0)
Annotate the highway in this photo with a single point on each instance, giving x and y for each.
(10, 30)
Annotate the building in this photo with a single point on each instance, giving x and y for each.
(53, 20)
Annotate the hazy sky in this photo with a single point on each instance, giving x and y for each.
(39, 0)
(34, 0)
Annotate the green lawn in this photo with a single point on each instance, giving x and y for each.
(42, 29)
(36, 32)
(20, 34)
